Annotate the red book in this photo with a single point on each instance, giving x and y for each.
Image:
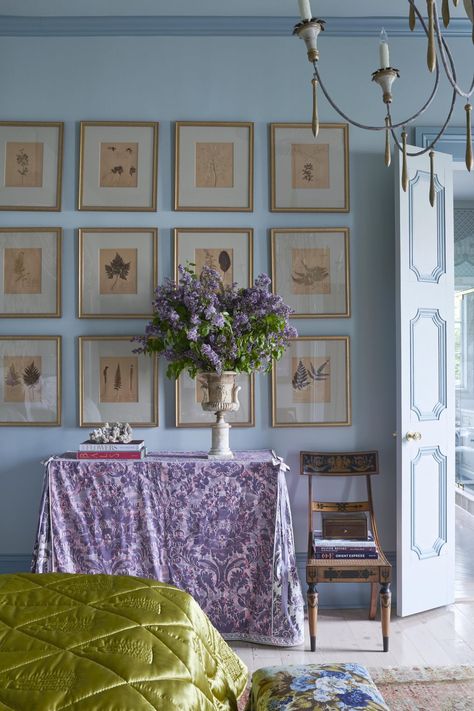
(110, 455)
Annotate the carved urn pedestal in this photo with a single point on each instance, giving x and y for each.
(220, 395)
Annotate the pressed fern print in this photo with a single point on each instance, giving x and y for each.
(311, 379)
(23, 381)
(119, 381)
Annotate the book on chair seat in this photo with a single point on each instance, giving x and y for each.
(324, 548)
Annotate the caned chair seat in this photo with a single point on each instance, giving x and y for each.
(376, 571)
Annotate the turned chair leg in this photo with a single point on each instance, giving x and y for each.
(373, 601)
(312, 614)
(385, 607)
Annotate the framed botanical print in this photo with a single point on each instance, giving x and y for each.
(118, 166)
(311, 383)
(117, 271)
(189, 412)
(307, 174)
(310, 270)
(214, 166)
(31, 155)
(228, 250)
(30, 272)
(30, 381)
(115, 383)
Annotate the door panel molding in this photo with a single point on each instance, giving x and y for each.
(440, 461)
(439, 385)
(419, 184)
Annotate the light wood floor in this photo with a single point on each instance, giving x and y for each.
(439, 637)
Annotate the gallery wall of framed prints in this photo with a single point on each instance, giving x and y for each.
(115, 271)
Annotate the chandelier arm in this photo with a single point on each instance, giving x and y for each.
(443, 50)
(435, 140)
(377, 128)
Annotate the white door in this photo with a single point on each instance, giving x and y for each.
(425, 387)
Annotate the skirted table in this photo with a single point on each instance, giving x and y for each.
(220, 530)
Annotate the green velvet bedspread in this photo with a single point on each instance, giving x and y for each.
(110, 643)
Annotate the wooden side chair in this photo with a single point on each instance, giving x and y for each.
(377, 571)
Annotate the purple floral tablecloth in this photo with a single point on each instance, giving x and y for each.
(221, 530)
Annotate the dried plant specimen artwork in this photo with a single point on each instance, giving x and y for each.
(118, 165)
(22, 380)
(214, 165)
(310, 271)
(311, 379)
(219, 259)
(310, 165)
(118, 379)
(23, 165)
(22, 270)
(118, 271)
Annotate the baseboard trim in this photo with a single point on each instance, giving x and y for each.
(15, 563)
(331, 594)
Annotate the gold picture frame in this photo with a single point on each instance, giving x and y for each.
(188, 240)
(31, 160)
(199, 185)
(308, 175)
(27, 376)
(118, 156)
(318, 263)
(311, 384)
(136, 281)
(31, 271)
(188, 411)
(142, 381)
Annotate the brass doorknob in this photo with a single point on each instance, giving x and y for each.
(413, 436)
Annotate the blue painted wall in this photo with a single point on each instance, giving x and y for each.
(210, 78)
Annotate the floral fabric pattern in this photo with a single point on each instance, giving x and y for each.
(221, 530)
(319, 687)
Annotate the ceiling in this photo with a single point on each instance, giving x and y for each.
(258, 8)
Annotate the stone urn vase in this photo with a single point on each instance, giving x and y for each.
(220, 395)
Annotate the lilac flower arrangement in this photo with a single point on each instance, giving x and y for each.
(200, 325)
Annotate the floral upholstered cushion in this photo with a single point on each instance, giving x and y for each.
(319, 687)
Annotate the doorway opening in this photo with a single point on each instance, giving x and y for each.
(464, 378)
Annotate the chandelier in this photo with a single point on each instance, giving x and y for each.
(438, 53)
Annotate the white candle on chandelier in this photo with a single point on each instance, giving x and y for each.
(384, 51)
(305, 9)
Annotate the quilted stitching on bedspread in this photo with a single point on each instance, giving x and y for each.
(110, 643)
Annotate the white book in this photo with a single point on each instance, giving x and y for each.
(134, 446)
(341, 542)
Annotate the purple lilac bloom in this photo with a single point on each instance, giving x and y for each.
(200, 324)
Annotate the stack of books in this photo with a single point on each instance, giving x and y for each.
(341, 549)
(112, 450)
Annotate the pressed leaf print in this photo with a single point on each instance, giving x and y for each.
(118, 165)
(310, 166)
(310, 270)
(118, 378)
(221, 260)
(118, 271)
(311, 382)
(119, 381)
(300, 379)
(22, 378)
(214, 165)
(22, 270)
(31, 375)
(12, 378)
(24, 165)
